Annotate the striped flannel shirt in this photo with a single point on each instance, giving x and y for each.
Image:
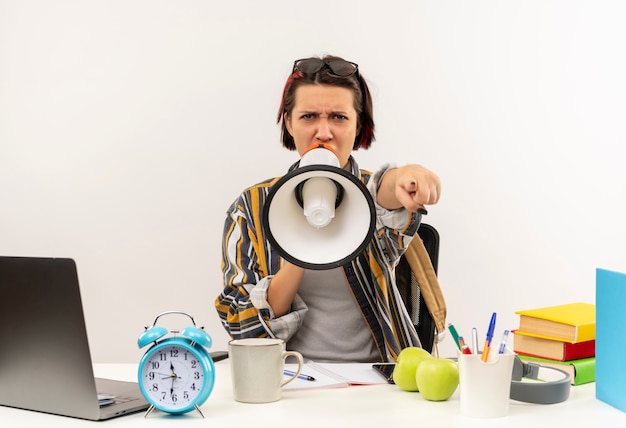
(249, 263)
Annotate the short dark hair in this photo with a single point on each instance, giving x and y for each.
(356, 83)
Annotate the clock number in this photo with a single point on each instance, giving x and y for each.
(162, 356)
(154, 365)
(194, 364)
(151, 376)
(196, 375)
(174, 353)
(155, 387)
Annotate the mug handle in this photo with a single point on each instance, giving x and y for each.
(300, 364)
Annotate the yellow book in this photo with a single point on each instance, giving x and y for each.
(571, 322)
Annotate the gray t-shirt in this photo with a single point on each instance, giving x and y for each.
(334, 329)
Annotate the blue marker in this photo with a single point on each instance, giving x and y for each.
(505, 336)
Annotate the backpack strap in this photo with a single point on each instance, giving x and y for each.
(424, 273)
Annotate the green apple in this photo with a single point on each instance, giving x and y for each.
(408, 361)
(437, 378)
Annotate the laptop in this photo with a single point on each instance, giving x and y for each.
(45, 362)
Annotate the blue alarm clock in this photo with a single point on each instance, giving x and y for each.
(176, 374)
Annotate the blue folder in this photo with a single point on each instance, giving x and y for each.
(610, 343)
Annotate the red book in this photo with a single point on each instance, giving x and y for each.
(534, 346)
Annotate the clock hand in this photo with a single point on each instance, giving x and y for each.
(172, 388)
(163, 375)
(174, 377)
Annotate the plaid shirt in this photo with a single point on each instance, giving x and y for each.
(249, 263)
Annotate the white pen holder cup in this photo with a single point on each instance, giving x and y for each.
(257, 366)
(485, 387)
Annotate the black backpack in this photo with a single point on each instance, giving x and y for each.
(416, 277)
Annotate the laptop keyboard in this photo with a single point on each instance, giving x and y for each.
(122, 399)
(108, 399)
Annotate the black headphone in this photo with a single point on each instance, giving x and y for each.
(554, 386)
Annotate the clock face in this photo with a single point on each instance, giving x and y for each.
(175, 376)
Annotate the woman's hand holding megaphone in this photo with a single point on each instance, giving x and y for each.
(283, 288)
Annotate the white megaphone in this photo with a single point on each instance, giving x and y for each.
(319, 216)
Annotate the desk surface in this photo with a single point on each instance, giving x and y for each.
(367, 405)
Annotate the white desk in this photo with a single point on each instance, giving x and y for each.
(364, 406)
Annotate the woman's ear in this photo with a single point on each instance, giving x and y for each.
(287, 121)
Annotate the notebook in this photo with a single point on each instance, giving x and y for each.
(45, 363)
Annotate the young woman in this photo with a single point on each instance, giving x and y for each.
(351, 313)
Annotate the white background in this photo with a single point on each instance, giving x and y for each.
(127, 127)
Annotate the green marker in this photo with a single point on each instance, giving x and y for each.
(455, 335)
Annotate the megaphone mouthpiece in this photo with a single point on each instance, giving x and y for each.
(319, 154)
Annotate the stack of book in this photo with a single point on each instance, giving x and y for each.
(561, 336)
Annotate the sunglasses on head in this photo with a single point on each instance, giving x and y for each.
(338, 67)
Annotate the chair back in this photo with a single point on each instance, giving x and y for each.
(419, 287)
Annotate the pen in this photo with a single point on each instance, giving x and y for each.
(461, 342)
(505, 336)
(475, 340)
(300, 376)
(455, 335)
(464, 348)
(492, 326)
